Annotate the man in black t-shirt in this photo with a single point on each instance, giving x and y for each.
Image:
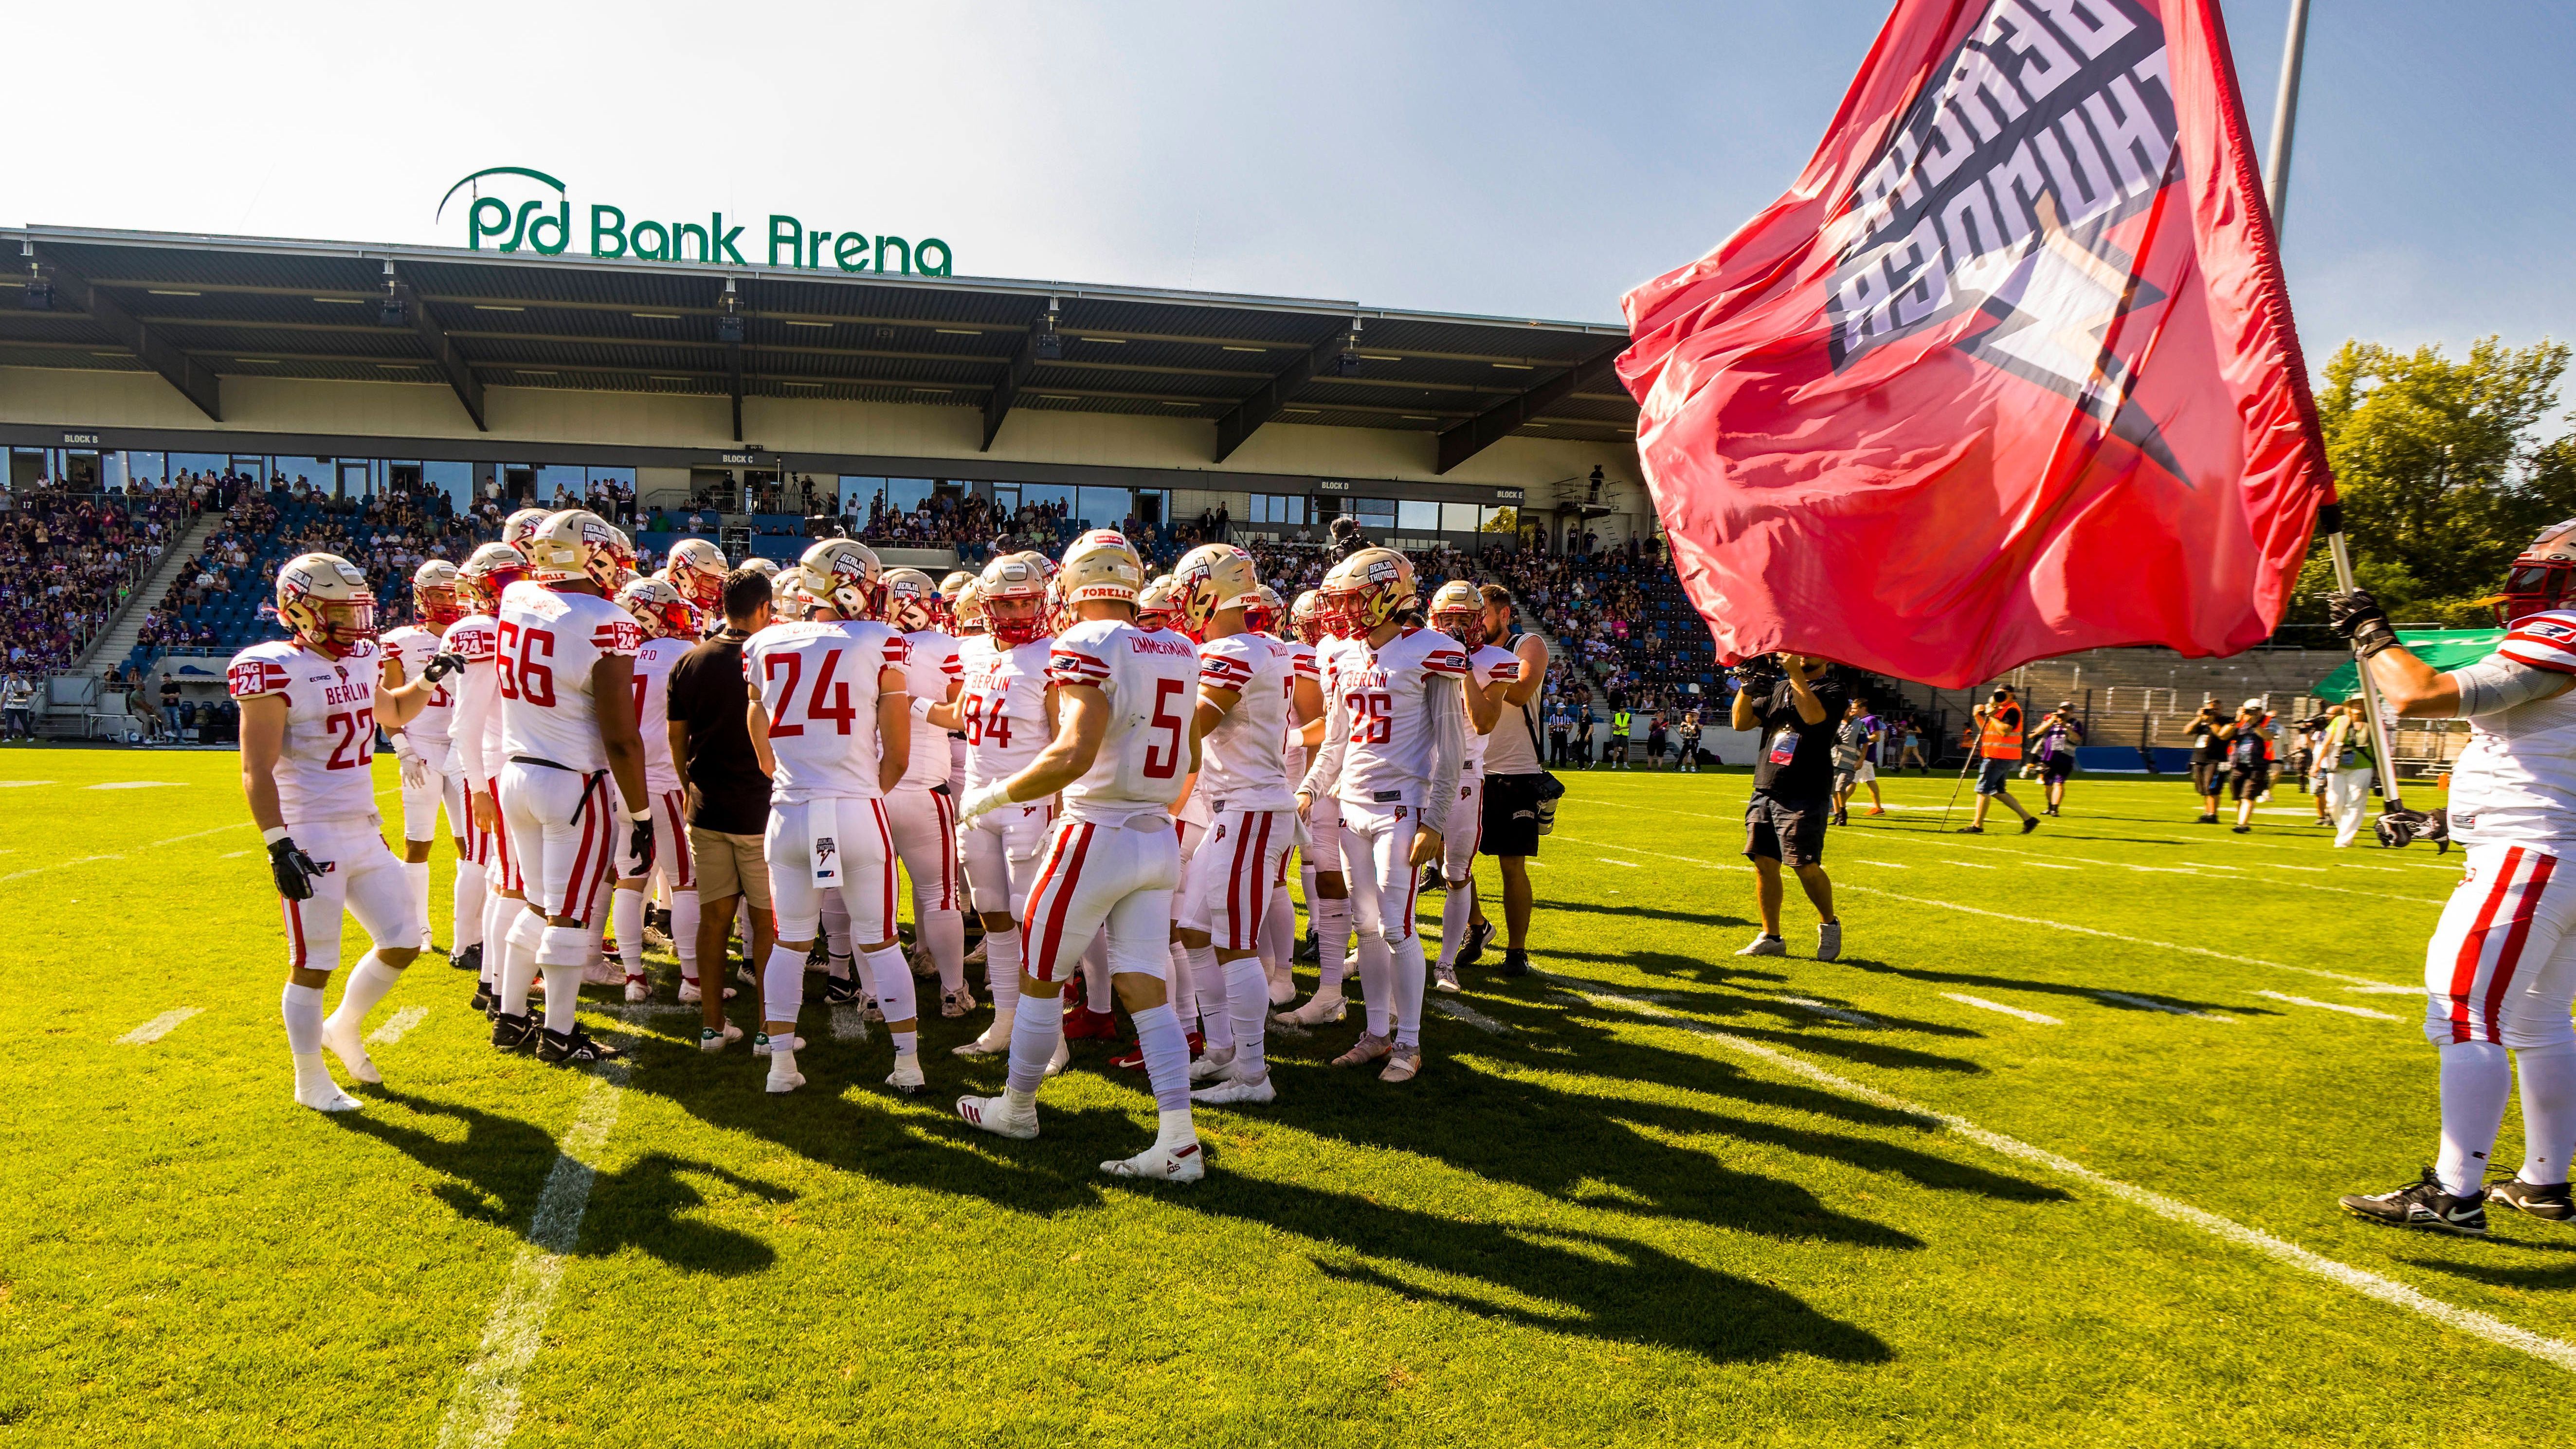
(1793, 788)
(728, 793)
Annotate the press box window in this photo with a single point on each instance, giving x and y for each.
(1287, 508)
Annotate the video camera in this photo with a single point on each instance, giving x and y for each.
(1759, 673)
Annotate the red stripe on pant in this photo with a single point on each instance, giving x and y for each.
(1412, 886)
(580, 859)
(294, 933)
(1050, 937)
(683, 874)
(1256, 890)
(2464, 969)
(2509, 960)
(947, 810)
(1234, 887)
(885, 847)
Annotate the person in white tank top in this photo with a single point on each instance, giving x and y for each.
(2500, 970)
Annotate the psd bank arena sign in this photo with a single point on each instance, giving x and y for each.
(542, 222)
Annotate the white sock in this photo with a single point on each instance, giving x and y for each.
(626, 908)
(782, 985)
(519, 971)
(684, 931)
(2548, 1111)
(1409, 975)
(469, 893)
(416, 876)
(1455, 912)
(947, 933)
(367, 986)
(1167, 1057)
(1277, 938)
(498, 913)
(893, 982)
(302, 1008)
(563, 952)
(1247, 1006)
(1002, 968)
(1333, 945)
(1214, 985)
(1184, 994)
(2476, 1078)
(1377, 983)
(1306, 881)
(1036, 1029)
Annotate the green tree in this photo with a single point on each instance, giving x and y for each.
(2441, 470)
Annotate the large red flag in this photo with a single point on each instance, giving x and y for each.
(2010, 370)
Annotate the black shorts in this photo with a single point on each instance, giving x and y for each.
(2206, 775)
(1511, 815)
(2247, 781)
(2057, 766)
(1790, 831)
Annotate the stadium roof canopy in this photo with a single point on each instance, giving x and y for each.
(191, 307)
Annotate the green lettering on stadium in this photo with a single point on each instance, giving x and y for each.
(545, 225)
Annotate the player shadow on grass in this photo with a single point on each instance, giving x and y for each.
(2092, 994)
(2526, 1276)
(1812, 1033)
(1652, 913)
(498, 1172)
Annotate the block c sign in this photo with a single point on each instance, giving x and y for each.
(542, 222)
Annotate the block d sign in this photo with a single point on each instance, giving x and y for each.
(542, 222)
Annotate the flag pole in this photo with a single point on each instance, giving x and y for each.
(2276, 193)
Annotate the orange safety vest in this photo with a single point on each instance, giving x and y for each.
(1997, 740)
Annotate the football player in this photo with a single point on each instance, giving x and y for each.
(476, 737)
(2500, 970)
(697, 569)
(921, 809)
(310, 705)
(831, 721)
(1247, 691)
(1458, 610)
(670, 628)
(572, 782)
(1328, 905)
(429, 776)
(1391, 751)
(1122, 750)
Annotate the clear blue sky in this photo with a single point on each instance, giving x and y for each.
(1489, 157)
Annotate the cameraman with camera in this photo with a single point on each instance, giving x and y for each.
(1998, 726)
(2209, 731)
(2059, 734)
(1792, 791)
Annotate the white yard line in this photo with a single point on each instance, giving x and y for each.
(155, 845)
(848, 1024)
(136, 785)
(2022, 920)
(1967, 865)
(234, 854)
(2370, 1285)
(1820, 1009)
(1630, 864)
(2252, 873)
(397, 1025)
(1452, 1007)
(2049, 865)
(1983, 1004)
(2168, 1008)
(158, 1027)
(16, 784)
(485, 1405)
(2330, 1006)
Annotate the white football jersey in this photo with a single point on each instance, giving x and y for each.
(1486, 666)
(1004, 707)
(1301, 665)
(322, 771)
(545, 647)
(413, 647)
(653, 661)
(1240, 765)
(1150, 678)
(1383, 694)
(932, 667)
(817, 682)
(477, 716)
(2515, 781)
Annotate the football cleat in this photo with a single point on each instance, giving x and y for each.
(712, 1040)
(1309, 948)
(779, 1085)
(1480, 934)
(2029, 824)
(957, 1002)
(1130, 1060)
(515, 1033)
(1829, 941)
(1062, 1059)
(327, 1097)
(352, 1052)
(469, 959)
(573, 1048)
(997, 1115)
(1444, 978)
(1319, 1010)
(2550, 1203)
(907, 1077)
(1081, 1023)
(995, 1040)
(976, 956)
(1367, 1049)
(1515, 962)
(484, 998)
(1402, 1065)
(840, 990)
(1432, 882)
(2422, 1204)
(1234, 1091)
(1282, 982)
(923, 968)
(1161, 1164)
(1765, 944)
(639, 987)
(869, 1010)
(1211, 1066)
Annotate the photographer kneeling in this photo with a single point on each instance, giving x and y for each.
(1792, 791)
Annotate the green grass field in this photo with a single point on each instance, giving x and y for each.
(1656, 1195)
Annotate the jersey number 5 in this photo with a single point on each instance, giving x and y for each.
(1167, 764)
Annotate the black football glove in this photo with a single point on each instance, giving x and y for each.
(441, 665)
(293, 869)
(2357, 617)
(2397, 828)
(639, 845)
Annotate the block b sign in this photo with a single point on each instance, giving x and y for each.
(544, 223)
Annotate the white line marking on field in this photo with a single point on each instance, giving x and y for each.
(485, 1407)
(1967, 865)
(2237, 873)
(155, 845)
(2168, 1008)
(2049, 865)
(848, 1024)
(2023, 920)
(1984, 1005)
(158, 1027)
(1450, 1006)
(2331, 1006)
(1883, 864)
(233, 855)
(1630, 864)
(1820, 1009)
(13, 784)
(396, 1025)
(136, 785)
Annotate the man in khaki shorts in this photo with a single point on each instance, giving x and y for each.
(728, 795)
